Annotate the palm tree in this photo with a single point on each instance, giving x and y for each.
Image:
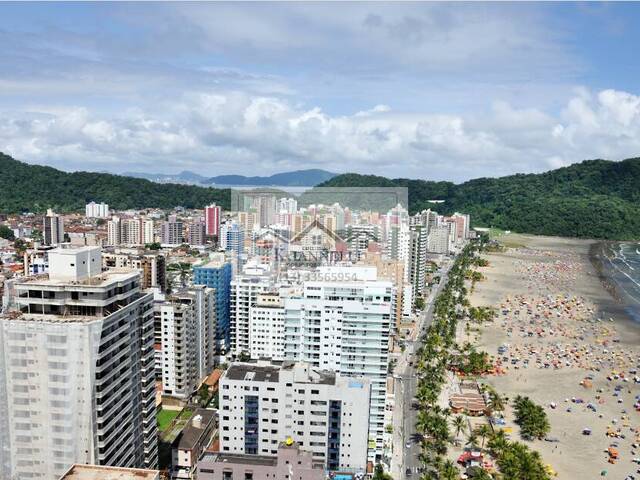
(498, 443)
(496, 401)
(449, 471)
(484, 431)
(459, 424)
(472, 439)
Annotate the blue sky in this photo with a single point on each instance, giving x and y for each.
(426, 90)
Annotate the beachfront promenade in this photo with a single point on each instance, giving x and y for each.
(406, 447)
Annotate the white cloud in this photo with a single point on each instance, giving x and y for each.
(236, 132)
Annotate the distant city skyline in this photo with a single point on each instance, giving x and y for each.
(423, 90)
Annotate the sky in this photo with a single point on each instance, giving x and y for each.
(440, 91)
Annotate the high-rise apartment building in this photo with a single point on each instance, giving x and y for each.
(53, 228)
(439, 239)
(77, 367)
(345, 326)
(187, 325)
(287, 205)
(266, 327)
(212, 215)
(216, 274)
(172, 232)
(148, 231)
(417, 259)
(245, 289)
(96, 210)
(197, 234)
(264, 403)
(232, 237)
(125, 231)
(152, 266)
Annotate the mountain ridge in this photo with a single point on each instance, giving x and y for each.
(597, 199)
(295, 178)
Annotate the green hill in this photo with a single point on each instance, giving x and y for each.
(25, 187)
(592, 199)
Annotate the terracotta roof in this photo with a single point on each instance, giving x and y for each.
(468, 401)
(213, 378)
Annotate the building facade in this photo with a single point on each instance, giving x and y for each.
(77, 371)
(216, 274)
(345, 326)
(96, 210)
(53, 228)
(263, 403)
(245, 289)
(266, 327)
(212, 215)
(187, 326)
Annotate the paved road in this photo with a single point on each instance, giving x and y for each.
(408, 385)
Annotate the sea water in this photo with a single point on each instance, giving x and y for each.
(622, 261)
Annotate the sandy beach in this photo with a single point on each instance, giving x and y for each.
(569, 347)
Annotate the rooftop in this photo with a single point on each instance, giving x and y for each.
(95, 472)
(241, 459)
(190, 435)
(107, 277)
(248, 371)
(269, 371)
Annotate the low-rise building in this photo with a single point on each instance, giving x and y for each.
(96, 472)
(190, 443)
(290, 463)
(262, 403)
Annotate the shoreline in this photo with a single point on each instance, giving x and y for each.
(609, 278)
(572, 344)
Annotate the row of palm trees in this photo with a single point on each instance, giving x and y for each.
(434, 423)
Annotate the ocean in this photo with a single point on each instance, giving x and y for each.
(622, 264)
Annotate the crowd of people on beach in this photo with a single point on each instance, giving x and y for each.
(551, 328)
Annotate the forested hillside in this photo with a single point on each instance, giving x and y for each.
(592, 199)
(25, 187)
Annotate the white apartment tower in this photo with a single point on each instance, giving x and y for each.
(439, 239)
(187, 324)
(345, 326)
(245, 289)
(266, 327)
(263, 403)
(96, 210)
(126, 231)
(77, 370)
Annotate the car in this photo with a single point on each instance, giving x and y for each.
(408, 472)
(408, 444)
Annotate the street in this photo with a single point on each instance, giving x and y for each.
(407, 459)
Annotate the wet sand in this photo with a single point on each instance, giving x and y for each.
(554, 318)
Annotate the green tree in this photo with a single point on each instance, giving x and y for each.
(459, 424)
(531, 418)
(449, 471)
(6, 233)
(483, 431)
(380, 474)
